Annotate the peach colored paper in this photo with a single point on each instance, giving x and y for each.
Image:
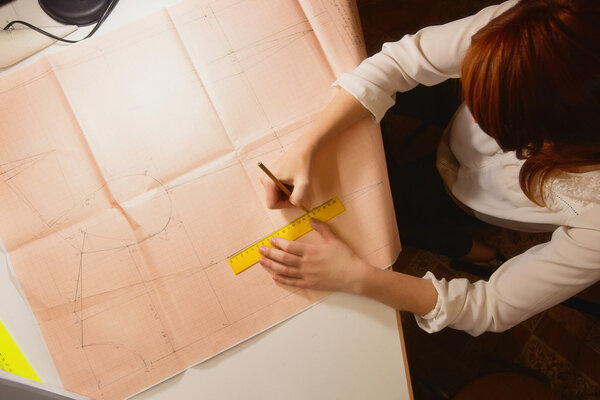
(128, 176)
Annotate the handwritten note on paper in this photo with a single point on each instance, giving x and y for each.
(128, 176)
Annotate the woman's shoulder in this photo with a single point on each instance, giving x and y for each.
(577, 194)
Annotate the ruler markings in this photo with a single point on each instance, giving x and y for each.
(249, 256)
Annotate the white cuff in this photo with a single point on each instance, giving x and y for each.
(450, 302)
(372, 97)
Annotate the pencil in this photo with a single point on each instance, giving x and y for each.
(280, 185)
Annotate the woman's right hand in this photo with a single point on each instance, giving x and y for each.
(293, 169)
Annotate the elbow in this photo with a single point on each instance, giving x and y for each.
(495, 314)
(485, 311)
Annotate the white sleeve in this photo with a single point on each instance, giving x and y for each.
(525, 285)
(429, 57)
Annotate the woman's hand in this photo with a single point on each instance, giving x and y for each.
(292, 169)
(327, 265)
(331, 265)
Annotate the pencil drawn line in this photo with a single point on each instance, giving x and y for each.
(20, 165)
(152, 305)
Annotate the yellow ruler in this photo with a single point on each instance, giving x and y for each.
(249, 256)
(12, 359)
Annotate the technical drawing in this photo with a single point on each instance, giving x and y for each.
(141, 179)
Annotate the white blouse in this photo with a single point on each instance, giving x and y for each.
(485, 179)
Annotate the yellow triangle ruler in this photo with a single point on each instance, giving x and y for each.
(12, 359)
(249, 256)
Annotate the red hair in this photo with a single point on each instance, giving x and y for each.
(531, 79)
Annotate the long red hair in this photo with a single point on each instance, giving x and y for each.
(531, 79)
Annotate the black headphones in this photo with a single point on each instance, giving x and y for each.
(80, 13)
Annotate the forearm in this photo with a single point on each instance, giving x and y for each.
(400, 291)
(341, 112)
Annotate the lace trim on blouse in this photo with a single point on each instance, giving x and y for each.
(572, 193)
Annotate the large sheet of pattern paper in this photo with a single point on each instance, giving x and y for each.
(128, 176)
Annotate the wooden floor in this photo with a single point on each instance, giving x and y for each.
(559, 348)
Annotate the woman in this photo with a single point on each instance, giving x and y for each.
(523, 152)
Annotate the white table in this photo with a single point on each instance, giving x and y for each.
(345, 347)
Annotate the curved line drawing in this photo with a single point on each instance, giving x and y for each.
(128, 194)
(135, 225)
(116, 346)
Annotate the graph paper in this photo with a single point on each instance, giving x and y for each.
(128, 176)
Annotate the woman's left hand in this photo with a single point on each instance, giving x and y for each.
(327, 265)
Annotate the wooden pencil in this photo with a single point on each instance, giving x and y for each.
(280, 185)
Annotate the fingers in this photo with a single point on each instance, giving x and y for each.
(288, 246)
(282, 203)
(271, 193)
(280, 269)
(280, 256)
(283, 264)
(322, 228)
(289, 281)
(299, 196)
(275, 198)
